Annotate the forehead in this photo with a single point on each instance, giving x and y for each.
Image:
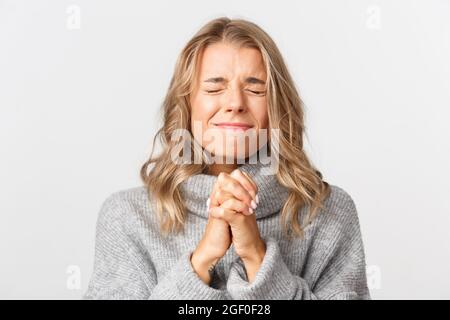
(228, 60)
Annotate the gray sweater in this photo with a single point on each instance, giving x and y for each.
(134, 261)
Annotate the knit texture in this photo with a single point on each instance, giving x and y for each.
(133, 260)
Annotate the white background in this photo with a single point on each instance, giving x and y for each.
(79, 108)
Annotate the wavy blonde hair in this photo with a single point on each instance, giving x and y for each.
(285, 112)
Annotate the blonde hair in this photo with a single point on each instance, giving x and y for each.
(285, 112)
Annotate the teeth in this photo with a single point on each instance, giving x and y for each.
(257, 199)
(207, 203)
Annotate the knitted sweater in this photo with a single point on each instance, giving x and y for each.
(133, 260)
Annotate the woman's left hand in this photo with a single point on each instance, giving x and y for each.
(246, 238)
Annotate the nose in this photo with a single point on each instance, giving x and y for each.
(235, 101)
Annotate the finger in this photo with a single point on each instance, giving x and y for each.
(246, 181)
(251, 180)
(231, 185)
(238, 206)
(212, 200)
(219, 196)
(254, 185)
(226, 214)
(208, 201)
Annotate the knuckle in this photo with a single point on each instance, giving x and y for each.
(235, 205)
(240, 187)
(232, 184)
(228, 203)
(246, 196)
(214, 212)
(221, 177)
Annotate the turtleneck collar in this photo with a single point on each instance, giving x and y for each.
(272, 195)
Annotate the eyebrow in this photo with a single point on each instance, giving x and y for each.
(251, 80)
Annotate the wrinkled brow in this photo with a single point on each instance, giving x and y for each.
(251, 80)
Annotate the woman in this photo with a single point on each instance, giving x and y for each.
(205, 228)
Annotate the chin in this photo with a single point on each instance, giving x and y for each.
(231, 154)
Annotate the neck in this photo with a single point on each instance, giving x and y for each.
(196, 189)
(215, 169)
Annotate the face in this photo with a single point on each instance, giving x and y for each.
(228, 104)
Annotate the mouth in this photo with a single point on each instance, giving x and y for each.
(233, 126)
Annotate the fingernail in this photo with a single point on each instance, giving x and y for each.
(253, 204)
(257, 199)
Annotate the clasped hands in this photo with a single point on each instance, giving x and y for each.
(231, 208)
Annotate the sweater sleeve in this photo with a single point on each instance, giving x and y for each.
(337, 262)
(122, 269)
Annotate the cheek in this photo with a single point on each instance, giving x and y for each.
(203, 109)
(261, 115)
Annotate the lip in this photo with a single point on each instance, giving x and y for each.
(233, 125)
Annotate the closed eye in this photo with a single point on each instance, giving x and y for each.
(252, 91)
(257, 92)
(213, 91)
